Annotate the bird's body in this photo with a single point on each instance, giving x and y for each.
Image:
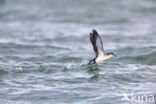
(102, 58)
(98, 48)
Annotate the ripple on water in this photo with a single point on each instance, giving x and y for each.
(142, 56)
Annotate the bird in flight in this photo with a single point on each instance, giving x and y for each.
(98, 48)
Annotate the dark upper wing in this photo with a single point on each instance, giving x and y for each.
(97, 43)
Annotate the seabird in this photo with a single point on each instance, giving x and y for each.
(98, 48)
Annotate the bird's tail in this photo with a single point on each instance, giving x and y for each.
(92, 61)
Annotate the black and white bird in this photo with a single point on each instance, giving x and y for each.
(98, 48)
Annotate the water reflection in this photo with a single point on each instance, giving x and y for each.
(95, 70)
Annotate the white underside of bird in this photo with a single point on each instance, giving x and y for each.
(102, 58)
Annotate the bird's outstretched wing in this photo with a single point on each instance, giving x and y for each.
(97, 43)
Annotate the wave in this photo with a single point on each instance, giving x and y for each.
(147, 59)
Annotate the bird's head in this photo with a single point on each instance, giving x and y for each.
(110, 54)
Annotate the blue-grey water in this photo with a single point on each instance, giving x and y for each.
(45, 46)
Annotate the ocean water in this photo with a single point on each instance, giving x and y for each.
(45, 48)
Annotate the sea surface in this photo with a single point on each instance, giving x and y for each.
(45, 48)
